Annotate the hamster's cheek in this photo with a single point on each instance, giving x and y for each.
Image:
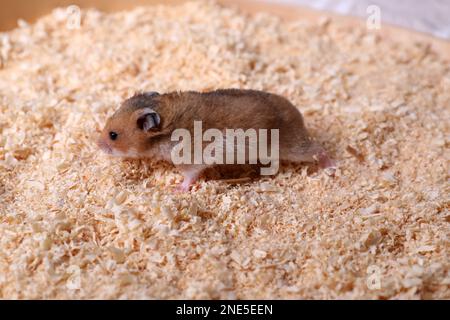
(117, 153)
(130, 153)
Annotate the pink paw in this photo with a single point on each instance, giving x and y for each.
(183, 187)
(326, 163)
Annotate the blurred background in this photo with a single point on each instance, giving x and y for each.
(431, 16)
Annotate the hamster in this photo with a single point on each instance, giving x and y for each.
(144, 125)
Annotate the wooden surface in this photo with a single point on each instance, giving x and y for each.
(31, 10)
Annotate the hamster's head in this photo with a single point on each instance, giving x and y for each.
(128, 131)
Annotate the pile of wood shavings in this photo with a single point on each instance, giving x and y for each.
(75, 223)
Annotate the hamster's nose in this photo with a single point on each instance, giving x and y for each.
(104, 146)
(99, 142)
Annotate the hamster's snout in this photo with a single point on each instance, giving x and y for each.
(104, 146)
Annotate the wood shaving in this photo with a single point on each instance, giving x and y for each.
(75, 223)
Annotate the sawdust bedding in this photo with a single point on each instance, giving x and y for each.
(75, 223)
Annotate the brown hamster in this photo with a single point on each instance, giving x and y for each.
(143, 126)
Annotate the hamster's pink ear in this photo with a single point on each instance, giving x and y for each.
(148, 119)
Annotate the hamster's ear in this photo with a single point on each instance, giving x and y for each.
(151, 94)
(148, 119)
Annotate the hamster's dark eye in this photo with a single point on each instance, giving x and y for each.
(113, 135)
